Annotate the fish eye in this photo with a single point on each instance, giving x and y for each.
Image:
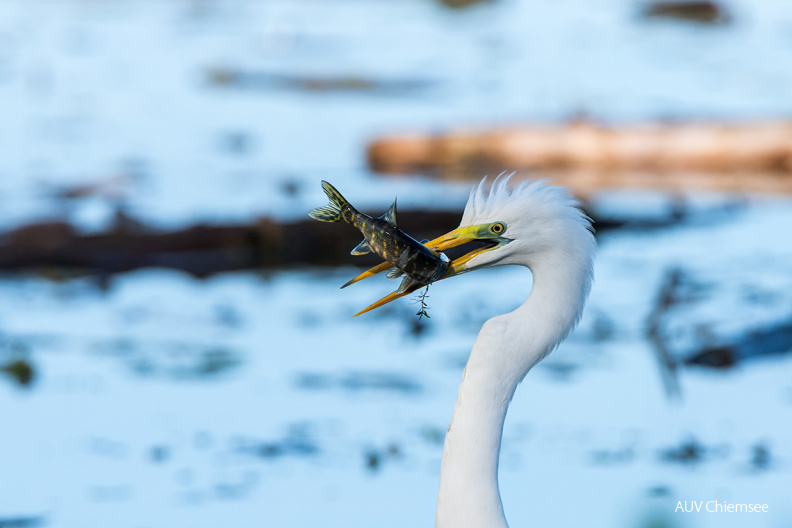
(498, 228)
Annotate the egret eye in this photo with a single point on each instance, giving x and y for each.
(498, 228)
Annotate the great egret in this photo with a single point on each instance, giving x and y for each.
(542, 228)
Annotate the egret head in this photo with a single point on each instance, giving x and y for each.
(524, 225)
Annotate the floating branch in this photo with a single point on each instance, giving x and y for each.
(665, 300)
(698, 11)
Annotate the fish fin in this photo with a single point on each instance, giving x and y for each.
(390, 216)
(361, 249)
(332, 211)
(328, 213)
(424, 241)
(388, 298)
(394, 273)
(406, 283)
(369, 273)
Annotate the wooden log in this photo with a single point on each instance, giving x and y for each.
(700, 11)
(58, 250)
(747, 157)
(587, 182)
(200, 250)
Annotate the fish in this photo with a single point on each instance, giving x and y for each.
(409, 258)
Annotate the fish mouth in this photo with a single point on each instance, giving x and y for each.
(478, 235)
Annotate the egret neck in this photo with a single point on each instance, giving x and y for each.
(469, 496)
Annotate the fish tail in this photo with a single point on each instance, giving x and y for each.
(332, 211)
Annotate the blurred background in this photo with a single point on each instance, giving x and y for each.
(174, 346)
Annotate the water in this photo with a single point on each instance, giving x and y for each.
(123, 93)
(256, 400)
(240, 399)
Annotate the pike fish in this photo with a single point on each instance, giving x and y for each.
(418, 264)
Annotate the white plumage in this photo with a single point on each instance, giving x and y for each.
(548, 234)
(542, 228)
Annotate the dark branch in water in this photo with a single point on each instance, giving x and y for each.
(665, 300)
(421, 298)
(59, 250)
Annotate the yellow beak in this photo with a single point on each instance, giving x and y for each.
(457, 237)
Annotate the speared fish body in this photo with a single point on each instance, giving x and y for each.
(419, 264)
